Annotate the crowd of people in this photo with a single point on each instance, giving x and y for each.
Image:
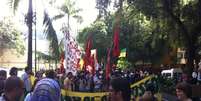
(28, 87)
(85, 81)
(45, 82)
(47, 85)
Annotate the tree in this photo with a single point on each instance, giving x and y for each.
(49, 31)
(177, 20)
(51, 35)
(99, 36)
(68, 9)
(183, 15)
(14, 4)
(10, 37)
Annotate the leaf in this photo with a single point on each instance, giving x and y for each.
(58, 17)
(51, 35)
(13, 5)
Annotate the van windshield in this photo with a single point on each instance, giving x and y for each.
(167, 75)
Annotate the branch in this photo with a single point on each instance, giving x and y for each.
(176, 19)
(197, 30)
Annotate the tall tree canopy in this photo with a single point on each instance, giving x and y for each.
(10, 37)
(173, 23)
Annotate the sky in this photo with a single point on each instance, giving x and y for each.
(89, 15)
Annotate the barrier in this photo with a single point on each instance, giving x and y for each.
(137, 90)
(142, 81)
(102, 96)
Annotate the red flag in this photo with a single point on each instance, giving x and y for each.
(116, 51)
(108, 65)
(87, 52)
(62, 63)
(92, 64)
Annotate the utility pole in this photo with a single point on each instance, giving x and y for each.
(29, 23)
(35, 39)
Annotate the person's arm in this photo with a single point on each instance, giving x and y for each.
(28, 97)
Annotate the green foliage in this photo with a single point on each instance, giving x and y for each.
(68, 9)
(51, 35)
(123, 63)
(99, 35)
(43, 56)
(10, 37)
(179, 20)
(13, 4)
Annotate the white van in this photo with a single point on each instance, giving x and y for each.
(172, 73)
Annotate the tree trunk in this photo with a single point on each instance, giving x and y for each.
(190, 53)
(29, 23)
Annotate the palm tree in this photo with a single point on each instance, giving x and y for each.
(14, 4)
(68, 9)
(51, 35)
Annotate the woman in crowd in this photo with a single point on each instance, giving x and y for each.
(183, 92)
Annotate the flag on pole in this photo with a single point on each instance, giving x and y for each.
(87, 56)
(92, 64)
(72, 53)
(116, 50)
(107, 72)
(62, 63)
(122, 53)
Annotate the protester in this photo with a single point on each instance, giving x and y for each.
(46, 90)
(32, 78)
(97, 83)
(82, 83)
(26, 79)
(183, 91)
(50, 74)
(13, 71)
(68, 82)
(194, 76)
(199, 74)
(120, 89)
(13, 89)
(149, 94)
(3, 76)
(29, 95)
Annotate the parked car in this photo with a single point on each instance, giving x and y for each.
(172, 73)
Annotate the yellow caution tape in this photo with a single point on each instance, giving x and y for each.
(142, 81)
(83, 94)
(98, 95)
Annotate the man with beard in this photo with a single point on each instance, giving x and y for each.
(13, 89)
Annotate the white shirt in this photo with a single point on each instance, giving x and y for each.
(2, 98)
(199, 76)
(27, 82)
(199, 64)
(194, 75)
(28, 97)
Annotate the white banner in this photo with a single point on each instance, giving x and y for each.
(72, 53)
